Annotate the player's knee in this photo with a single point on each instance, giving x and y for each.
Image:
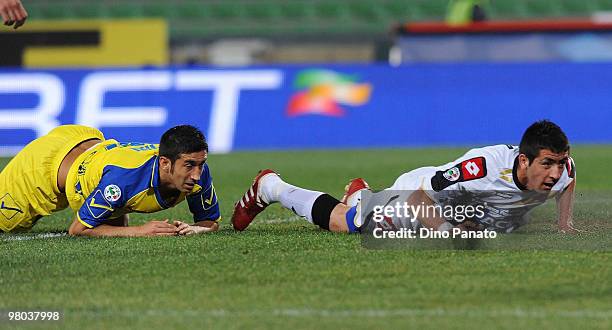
(337, 219)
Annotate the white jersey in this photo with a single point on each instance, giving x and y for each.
(488, 177)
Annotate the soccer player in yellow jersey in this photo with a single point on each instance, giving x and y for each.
(104, 180)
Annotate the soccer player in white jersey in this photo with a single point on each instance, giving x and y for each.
(514, 179)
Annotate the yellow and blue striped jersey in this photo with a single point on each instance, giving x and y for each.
(112, 179)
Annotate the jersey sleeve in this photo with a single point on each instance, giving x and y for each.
(204, 204)
(570, 173)
(101, 203)
(467, 173)
(571, 168)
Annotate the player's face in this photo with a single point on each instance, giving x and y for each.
(546, 170)
(187, 170)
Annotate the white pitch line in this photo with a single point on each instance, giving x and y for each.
(11, 237)
(369, 313)
(287, 220)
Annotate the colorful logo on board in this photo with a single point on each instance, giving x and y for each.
(325, 92)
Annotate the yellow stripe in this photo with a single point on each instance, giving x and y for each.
(212, 196)
(83, 222)
(153, 173)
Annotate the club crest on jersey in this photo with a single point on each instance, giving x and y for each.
(112, 193)
(452, 174)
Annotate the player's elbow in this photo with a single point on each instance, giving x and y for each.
(209, 225)
(214, 226)
(76, 229)
(74, 232)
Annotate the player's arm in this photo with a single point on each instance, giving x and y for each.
(565, 201)
(151, 228)
(430, 220)
(458, 178)
(95, 217)
(433, 220)
(565, 206)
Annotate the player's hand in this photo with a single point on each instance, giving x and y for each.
(13, 13)
(187, 229)
(184, 228)
(158, 228)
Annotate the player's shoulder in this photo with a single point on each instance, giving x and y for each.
(479, 165)
(129, 155)
(492, 157)
(499, 153)
(130, 180)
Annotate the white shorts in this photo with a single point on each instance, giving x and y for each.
(414, 179)
(401, 190)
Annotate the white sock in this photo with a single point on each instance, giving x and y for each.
(355, 198)
(300, 201)
(270, 188)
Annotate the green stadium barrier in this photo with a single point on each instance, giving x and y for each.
(216, 18)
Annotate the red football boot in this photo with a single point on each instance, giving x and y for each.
(352, 188)
(251, 204)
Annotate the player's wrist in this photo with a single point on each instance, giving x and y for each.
(203, 229)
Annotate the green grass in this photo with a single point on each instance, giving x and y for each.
(285, 273)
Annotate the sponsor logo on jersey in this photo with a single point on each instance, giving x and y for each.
(8, 207)
(452, 174)
(112, 193)
(83, 166)
(99, 205)
(81, 170)
(473, 168)
(506, 175)
(77, 188)
(209, 198)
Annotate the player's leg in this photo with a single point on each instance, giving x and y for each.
(345, 217)
(28, 184)
(15, 211)
(317, 207)
(25, 190)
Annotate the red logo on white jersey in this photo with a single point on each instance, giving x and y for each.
(473, 168)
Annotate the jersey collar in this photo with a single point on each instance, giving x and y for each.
(515, 176)
(154, 183)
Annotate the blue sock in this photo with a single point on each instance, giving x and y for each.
(350, 220)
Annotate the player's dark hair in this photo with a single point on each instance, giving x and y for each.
(182, 139)
(543, 134)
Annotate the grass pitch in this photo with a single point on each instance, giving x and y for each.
(284, 272)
